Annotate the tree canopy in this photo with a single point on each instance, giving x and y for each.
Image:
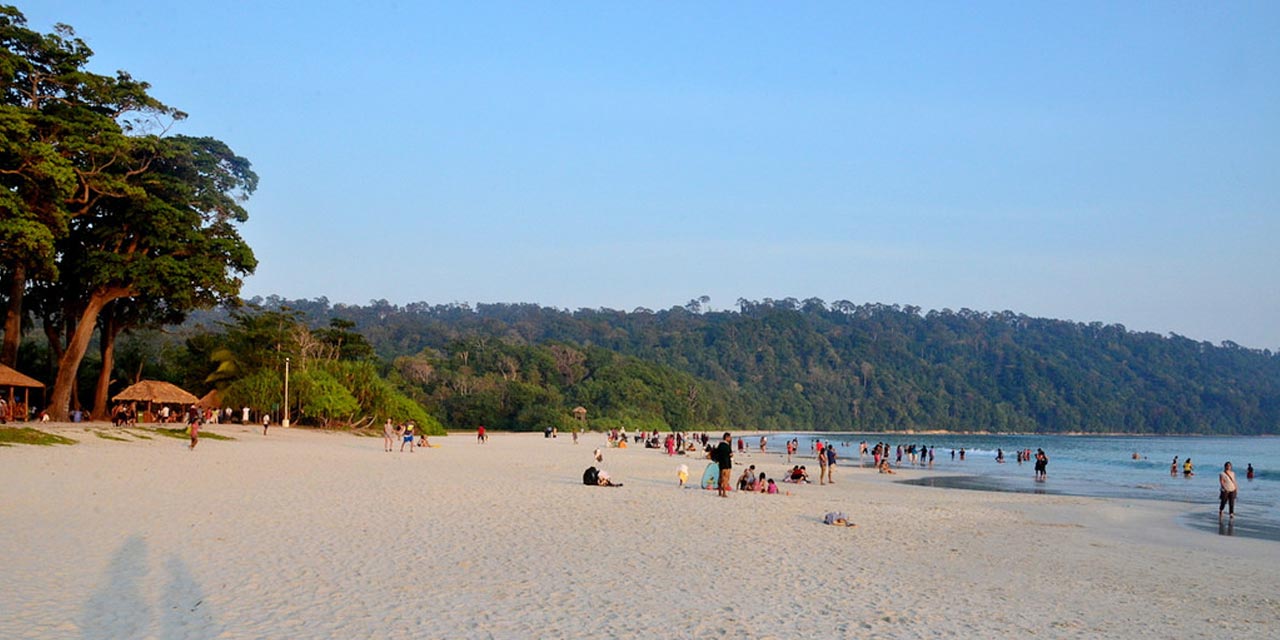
(793, 364)
(100, 208)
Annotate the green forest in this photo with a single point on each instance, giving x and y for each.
(772, 364)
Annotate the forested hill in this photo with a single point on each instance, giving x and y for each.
(789, 364)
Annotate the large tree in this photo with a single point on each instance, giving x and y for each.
(173, 238)
(64, 144)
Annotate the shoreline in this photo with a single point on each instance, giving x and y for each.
(313, 534)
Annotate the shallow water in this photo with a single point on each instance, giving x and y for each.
(1101, 466)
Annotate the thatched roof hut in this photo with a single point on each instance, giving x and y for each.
(13, 408)
(11, 378)
(155, 391)
(210, 400)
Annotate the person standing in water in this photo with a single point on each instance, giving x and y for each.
(1173, 468)
(1248, 472)
(1187, 469)
(1227, 490)
(1042, 465)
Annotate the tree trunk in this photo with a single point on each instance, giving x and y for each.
(69, 363)
(107, 347)
(53, 334)
(13, 317)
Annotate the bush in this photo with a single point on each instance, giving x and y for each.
(322, 397)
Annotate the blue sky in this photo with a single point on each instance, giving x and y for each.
(1114, 162)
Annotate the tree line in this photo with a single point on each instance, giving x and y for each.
(807, 364)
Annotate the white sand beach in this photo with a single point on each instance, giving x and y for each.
(301, 534)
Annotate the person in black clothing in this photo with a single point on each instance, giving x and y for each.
(723, 456)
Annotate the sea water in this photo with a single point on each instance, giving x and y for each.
(1100, 466)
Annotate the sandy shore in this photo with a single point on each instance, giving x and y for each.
(302, 534)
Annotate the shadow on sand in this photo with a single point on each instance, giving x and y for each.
(119, 609)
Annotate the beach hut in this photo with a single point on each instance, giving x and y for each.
(15, 406)
(155, 392)
(210, 400)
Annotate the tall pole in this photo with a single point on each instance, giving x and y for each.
(285, 422)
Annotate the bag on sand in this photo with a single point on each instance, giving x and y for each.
(591, 476)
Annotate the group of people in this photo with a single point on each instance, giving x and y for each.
(403, 432)
(752, 482)
(798, 475)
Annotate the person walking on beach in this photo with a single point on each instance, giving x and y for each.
(723, 456)
(266, 422)
(388, 435)
(1227, 490)
(822, 462)
(407, 437)
(193, 429)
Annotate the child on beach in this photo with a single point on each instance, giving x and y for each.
(683, 474)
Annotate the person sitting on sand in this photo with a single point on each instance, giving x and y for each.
(762, 485)
(884, 466)
(683, 474)
(798, 475)
(604, 480)
(747, 481)
(773, 488)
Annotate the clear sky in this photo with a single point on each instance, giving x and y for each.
(1112, 161)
